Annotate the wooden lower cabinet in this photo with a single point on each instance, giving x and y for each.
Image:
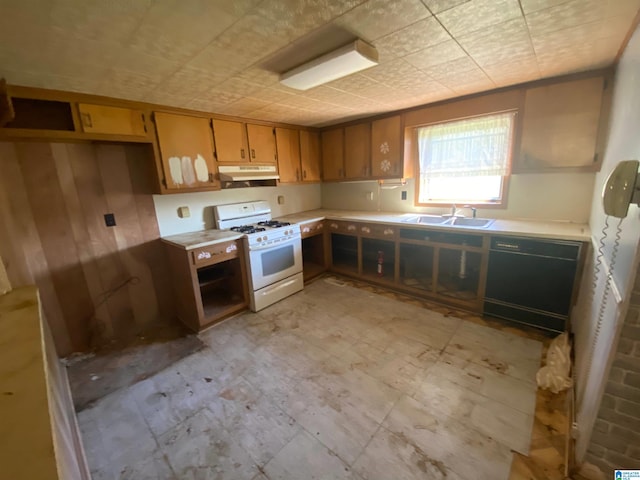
(314, 249)
(449, 267)
(210, 282)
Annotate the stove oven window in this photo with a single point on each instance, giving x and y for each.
(277, 260)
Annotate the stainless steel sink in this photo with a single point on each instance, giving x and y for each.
(471, 222)
(426, 219)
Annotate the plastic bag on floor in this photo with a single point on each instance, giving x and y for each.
(554, 375)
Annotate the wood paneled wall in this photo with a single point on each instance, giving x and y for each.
(97, 283)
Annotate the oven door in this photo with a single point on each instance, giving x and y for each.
(272, 263)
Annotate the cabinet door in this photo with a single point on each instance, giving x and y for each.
(262, 144)
(387, 147)
(288, 146)
(560, 125)
(231, 141)
(333, 154)
(111, 120)
(186, 148)
(357, 150)
(310, 155)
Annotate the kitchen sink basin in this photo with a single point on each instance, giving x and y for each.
(426, 219)
(471, 222)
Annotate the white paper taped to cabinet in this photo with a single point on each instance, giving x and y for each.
(554, 375)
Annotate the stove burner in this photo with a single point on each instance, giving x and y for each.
(247, 229)
(273, 224)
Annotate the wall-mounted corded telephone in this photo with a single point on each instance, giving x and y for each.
(621, 189)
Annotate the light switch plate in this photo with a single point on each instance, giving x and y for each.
(280, 199)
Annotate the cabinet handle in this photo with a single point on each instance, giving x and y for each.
(306, 229)
(388, 231)
(297, 174)
(203, 255)
(320, 226)
(242, 153)
(351, 228)
(253, 153)
(211, 179)
(334, 226)
(86, 120)
(366, 229)
(144, 123)
(304, 174)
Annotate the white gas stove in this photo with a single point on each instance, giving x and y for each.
(273, 250)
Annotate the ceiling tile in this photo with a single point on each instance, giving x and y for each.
(513, 72)
(566, 15)
(392, 73)
(377, 18)
(437, 6)
(529, 6)
(204, 105)
(108, 22)
(508, 41)
(191, 80)
(244, 105)
(353, 83)
(177, 30)
(258, 75)
(413, 38)
(622, 7)
(478, 14)
(440, 53)
(272, 94)
(238, 86)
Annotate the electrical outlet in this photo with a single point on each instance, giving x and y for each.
(109, 219)
(184, 212)
(369, 196)
(280, 199)
(403, 195)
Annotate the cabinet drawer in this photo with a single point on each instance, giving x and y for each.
(312, 228)
(216, 253)
(377, 230)
(342, 227)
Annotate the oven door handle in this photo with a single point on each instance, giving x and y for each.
(293, 239)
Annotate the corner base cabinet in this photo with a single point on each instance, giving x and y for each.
(209, 282)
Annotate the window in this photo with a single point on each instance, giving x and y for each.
(465, 161)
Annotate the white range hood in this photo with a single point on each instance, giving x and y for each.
(243, 173)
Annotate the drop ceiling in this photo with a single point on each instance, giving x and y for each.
(224, 56)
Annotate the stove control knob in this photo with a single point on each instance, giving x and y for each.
(265, 238)
(259, 239)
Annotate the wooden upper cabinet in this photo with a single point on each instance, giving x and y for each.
(231, 141)
(262, 144)
(288, 146)
(186, 150)
(357, 150)
(560, 126)
(333, 154)
(387, 142)
(310, 155)
(111, 120)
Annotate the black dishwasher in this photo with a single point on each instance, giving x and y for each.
(531, 281)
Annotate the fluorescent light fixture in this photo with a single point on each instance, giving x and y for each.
(351, 58)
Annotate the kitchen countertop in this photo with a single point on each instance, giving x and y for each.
(192, 240)
(527, 228)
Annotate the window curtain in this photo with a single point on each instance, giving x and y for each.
(472, 147)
